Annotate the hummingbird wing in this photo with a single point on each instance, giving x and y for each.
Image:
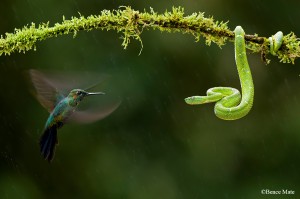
(45, 91)
(67, 81)
(91, 115)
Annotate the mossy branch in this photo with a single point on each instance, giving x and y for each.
(132, 23)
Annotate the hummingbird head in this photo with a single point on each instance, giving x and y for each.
(77, 95)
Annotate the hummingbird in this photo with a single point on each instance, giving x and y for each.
(62, 109)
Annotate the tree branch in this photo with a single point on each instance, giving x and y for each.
(132, 23)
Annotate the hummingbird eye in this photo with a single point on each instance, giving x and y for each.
(78, 93)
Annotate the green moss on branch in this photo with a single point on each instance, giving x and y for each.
(131, 23)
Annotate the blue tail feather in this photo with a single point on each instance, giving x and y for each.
(48, 141)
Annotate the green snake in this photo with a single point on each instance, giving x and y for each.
(230, 104)
(275, 42)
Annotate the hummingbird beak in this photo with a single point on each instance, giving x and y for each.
(97, 93)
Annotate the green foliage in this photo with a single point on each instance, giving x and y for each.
(291, 50)
(131, 24)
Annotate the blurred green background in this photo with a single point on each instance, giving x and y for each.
(153, 145)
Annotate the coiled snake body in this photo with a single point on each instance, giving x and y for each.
(230, 105)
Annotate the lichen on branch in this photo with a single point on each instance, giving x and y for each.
(132, 23)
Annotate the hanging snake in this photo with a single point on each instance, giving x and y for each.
(230, 103)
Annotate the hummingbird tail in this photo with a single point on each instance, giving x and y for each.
(48, 141)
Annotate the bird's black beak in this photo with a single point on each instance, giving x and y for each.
(97, 93)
